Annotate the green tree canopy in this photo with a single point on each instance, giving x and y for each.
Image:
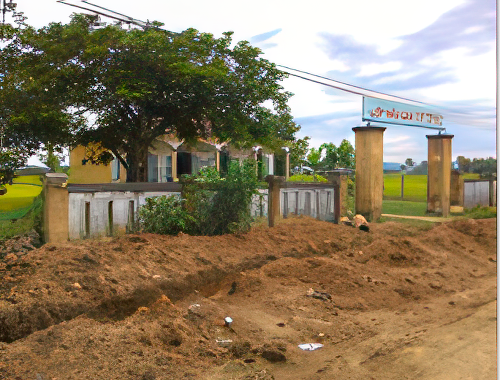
(328, 156)
(33, 112)
(124, 88)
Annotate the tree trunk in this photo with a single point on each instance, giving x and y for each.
(137, 166)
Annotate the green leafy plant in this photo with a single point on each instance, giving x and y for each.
(479, 212)
(307, 178)
(210, 205)
(221, 205)
(164, 215)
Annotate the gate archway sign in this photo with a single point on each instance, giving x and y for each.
(369, 154)
(385, 111)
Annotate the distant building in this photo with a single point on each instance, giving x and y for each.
(32, 170)
(391, 167)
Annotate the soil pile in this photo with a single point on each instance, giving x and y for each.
(153, 307)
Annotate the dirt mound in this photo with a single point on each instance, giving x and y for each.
(153, 307)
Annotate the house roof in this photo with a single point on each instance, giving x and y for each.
(393, 166)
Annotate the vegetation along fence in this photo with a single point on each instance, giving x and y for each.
(77, 211)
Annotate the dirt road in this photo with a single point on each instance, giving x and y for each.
(398, 302)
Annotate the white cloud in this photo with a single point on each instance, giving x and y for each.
(380, 25)
(396, 139)
(377, 68)
(473, 29)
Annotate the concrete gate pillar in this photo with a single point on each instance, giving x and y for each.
(439, 174)
(273, 211)
(369, 171)
(457, 189)
(55, 208)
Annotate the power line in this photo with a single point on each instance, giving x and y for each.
(347, 84)
(353, 89)
(127, 19)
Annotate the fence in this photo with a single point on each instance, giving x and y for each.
(103, 209)
(311, 199)
(479, 192)
(77, 211)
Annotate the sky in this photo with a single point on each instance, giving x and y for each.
(438, 52)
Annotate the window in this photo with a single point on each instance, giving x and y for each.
(115, 169)
(165, 168)
(202, 159)
(152, 167)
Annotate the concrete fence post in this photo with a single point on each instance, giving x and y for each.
(275, 184)
(456, 189)
(492, 193)
(339, 180)
(55, 208)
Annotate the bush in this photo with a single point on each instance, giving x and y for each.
(163, 215)
(221, 205)
(307, 178)
(211, 205)
(480, 212)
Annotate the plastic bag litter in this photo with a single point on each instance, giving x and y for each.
(310, 346)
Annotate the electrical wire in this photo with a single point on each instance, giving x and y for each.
(347, 84)
(357, 90)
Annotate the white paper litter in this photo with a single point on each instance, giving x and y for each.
(310, 346)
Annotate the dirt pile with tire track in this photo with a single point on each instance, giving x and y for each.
(152, 307)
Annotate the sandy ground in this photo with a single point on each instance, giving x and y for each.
(397, 302)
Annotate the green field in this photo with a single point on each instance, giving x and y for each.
(404, 208)
(21, 193)
(415, 187)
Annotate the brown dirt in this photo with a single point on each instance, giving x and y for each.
(398, 302)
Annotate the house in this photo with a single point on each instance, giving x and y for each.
(169, 158)
(391, 167)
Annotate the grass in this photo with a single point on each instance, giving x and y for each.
(481, 212)
(16, 227)
(20, 195)
(404, 208)
(422, 225)
(470, 176)
(415, 187)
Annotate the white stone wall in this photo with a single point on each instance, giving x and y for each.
(99, 206)
(477, 193)
(298, 201)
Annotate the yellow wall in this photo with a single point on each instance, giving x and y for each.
(88, 173)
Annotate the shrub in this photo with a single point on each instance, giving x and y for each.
(480, 212)
(220, 205)
(307, 178)
(163, 215)
(211, 205)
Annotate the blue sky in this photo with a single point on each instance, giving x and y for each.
(439, 52)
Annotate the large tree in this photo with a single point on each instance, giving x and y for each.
(33, 112)
(328, 156)
(135, 85)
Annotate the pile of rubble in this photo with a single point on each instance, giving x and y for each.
(358, 221)
(12, 249)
